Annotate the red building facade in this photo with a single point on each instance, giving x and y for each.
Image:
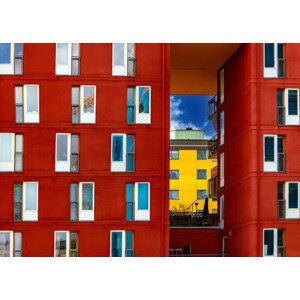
(151, 141)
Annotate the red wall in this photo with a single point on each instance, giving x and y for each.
(151, 141)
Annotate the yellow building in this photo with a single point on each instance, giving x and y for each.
(190, 172)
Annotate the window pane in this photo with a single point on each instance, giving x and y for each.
(130, 50)
(174, 195)
(130, 163)
(75, 95)
(75, 115)
(87, 196)
(293, 102)
(18, 49)
(5, 244)
(280, 97)
(129, 201)
(129, 243)
(144, 99)
(73, 244)
(62, 147)
(88, 99)
(201, 194)
(222, 123)
(6, 149)
(75, 49)
(130, 115)
(129, 192)
(280, 190)
(280, 50)
(143, 196)
(5, 49)
(75, 142)
(19, 94)
(74, 162)
(62, 53)
(19, 143)
(18, 241)
(116, 244)
(75, 66)
(31, 196)
(201, 154)
(269, 149)
(280, 238)
(268, 242)
(74, 201)
(130, 96)
(117, 148)
(19, 162)
(118, 54)
(18, 66)
(130, 143)
(174, 154)
(19, 114)
(201, 174)
(18, 202)
(174, 174)
(60, 244)
(280, 144)
(129, 211)
(32, 99)
(293, 195)
(269, 55)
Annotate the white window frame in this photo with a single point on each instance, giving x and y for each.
(291, 213)
(141, 215)
(222, 86)
(271, 166)
(222, 170)
(222, 127)
(275, 245)
(9, 69)
(291, 119)
(119, 70)
(86, 215)
(87, 118)
(8, 166)
(67, 242)
(31, 117)
(119, 166)
(123, 242)
(64, 69)
(63, 166)
(29, 215)
(271, 72)
(142, 118)
(222, 203)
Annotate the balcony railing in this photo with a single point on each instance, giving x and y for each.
(213, 147)
(281, 162)
(212, 106)
(189, 219)
(281, 68)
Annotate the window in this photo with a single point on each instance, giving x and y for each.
(174, 174)
(174, 154)
(74, 200)
(124, 62)
(11, 58)
(86, 201)
(121, 243)
(26, 201)
(201, 194)
(201, 154)
(139, 105)
(84, 104)
(122, 153)
(67, 152)
(201, 174)
(281, 200)
(222, 209)
(222, 170)
(289, 200)
(273, 244)
(10, 244)
(174, 195)
(27, 104)
(11, 152)
(280, 107)
(274, 62)
(67, 59)
(222, 86)
(222, 128)
(274, 156)
(65, 244)
(288, 106)
(138, 201)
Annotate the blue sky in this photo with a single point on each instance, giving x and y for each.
(191, 111)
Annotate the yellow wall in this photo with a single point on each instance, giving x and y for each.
(188, 184)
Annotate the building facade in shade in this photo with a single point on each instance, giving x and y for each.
(190, 172)
(84, 145)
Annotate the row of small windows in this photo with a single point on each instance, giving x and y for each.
(82, 201)
(201, 154)
(68, 59)
(201, 174)
(201, 194)
(66, 243)
(83, 101)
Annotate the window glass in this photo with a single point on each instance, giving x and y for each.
(18, 202)
(279, 237)
(174, 195)
(75, 49)
(32, 99)
(280, 190)
(88, 99)
(269, 148)
(130, 50)
(280, 50)
(130, 145)
(293, 195)
(116, 244)
(31, 196)
(130, 115)
(19, 95)
(174, 154)
(174, 174)
(268, 242)
(293, 102)
(75, 142)
(87, 196)
(17, 244)
(201, 174)
(269, 55)
(222, 123)
(73, 244)
(62, 147)
(5, 49)
(201, 154)
(62, 53)
(129, 243)
(18, 49)
(5, 244)
(280, 97)
(74, 201)
(117, 148)
(144, 97)
(119, 54)
(130, 104)
(129, 201)
(6, 147)
(201, 194)
(130, 96)
(75, 66)
(130, 163)
(143, 196)
(61, 244)
(75, 95)
(280, 144)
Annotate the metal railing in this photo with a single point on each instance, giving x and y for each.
(189, 219)
(281, 68)
(213, 147)
(281, 162)
(212, 106)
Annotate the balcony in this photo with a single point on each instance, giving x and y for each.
(213, 147)
(190, 219)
